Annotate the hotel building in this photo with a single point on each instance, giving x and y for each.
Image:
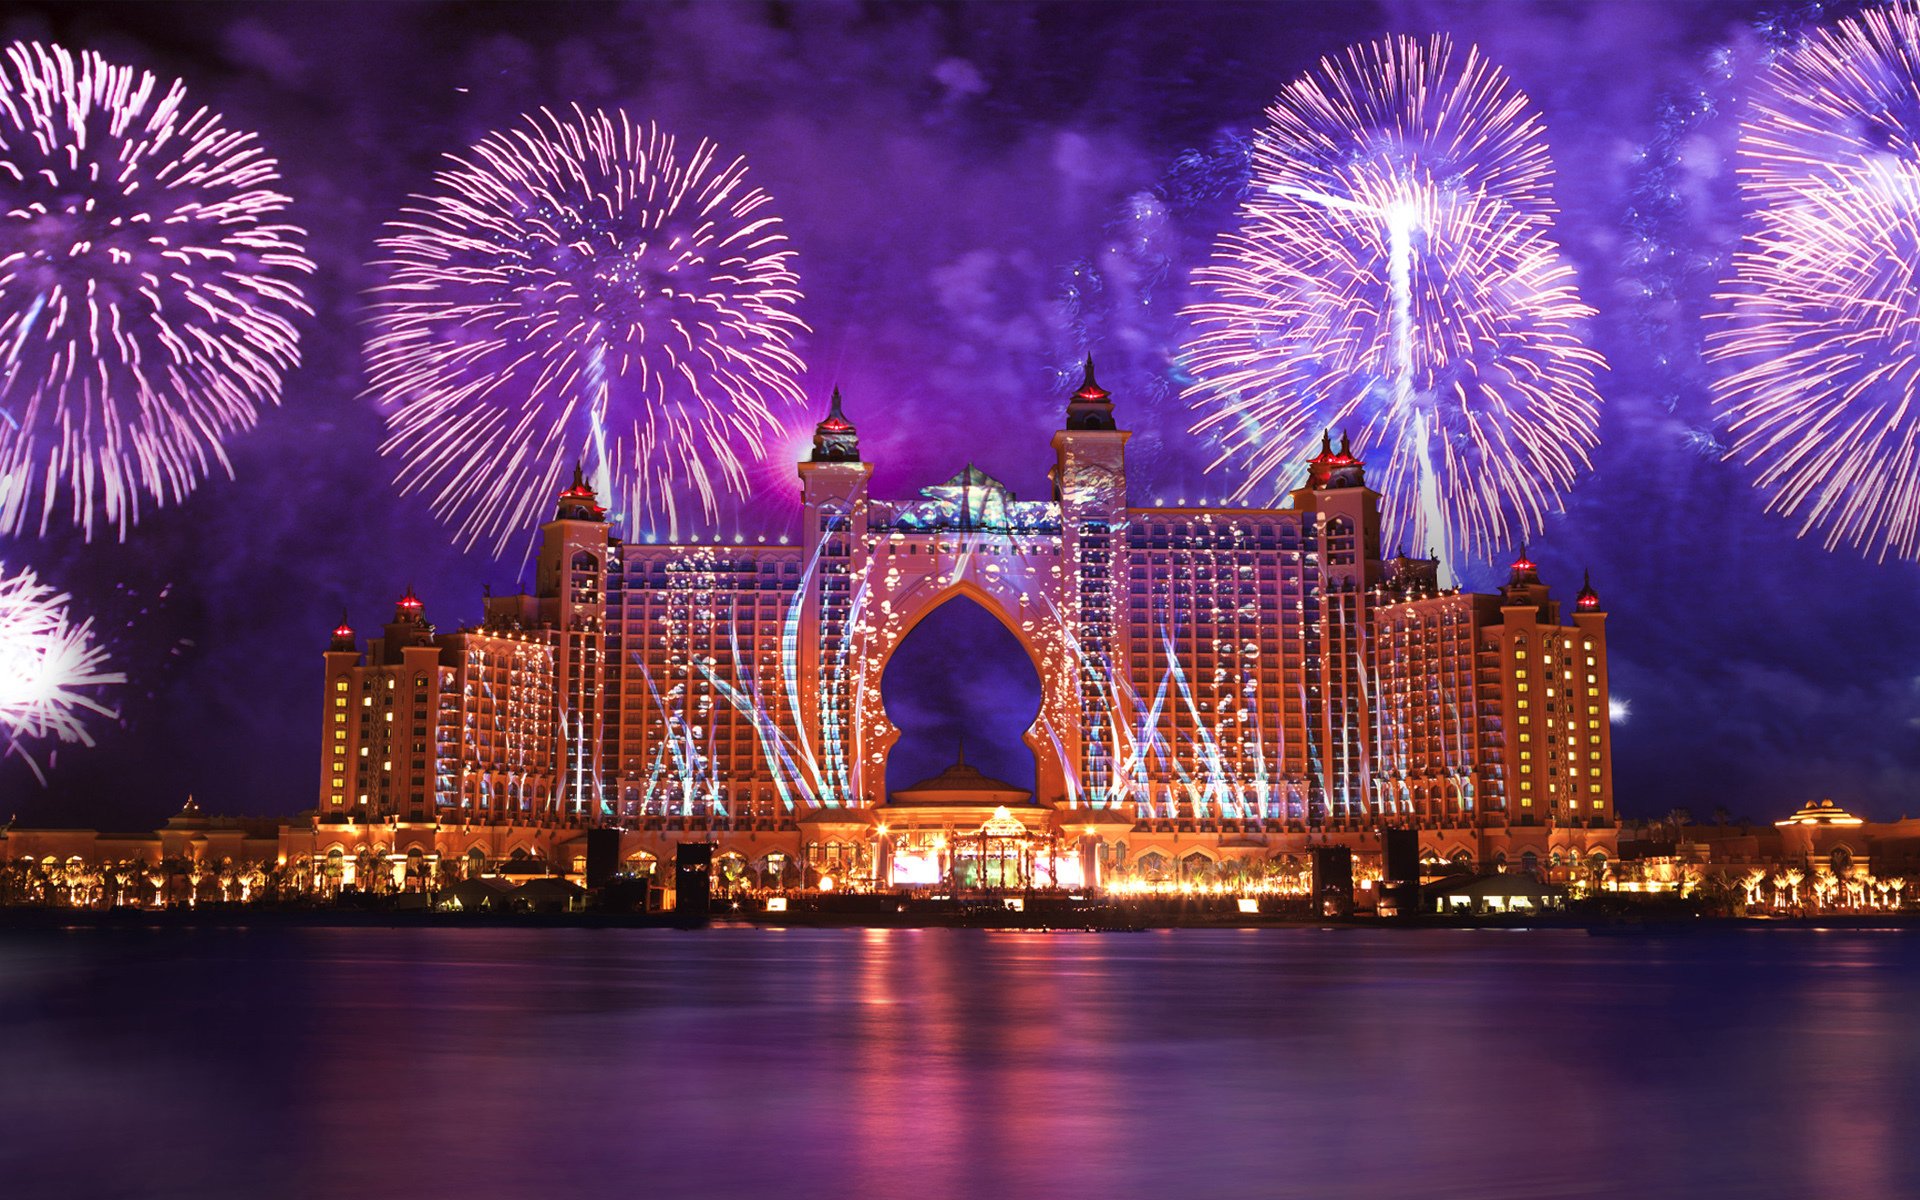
(1216, 683)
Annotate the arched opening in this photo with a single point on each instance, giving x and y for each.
(961, 674)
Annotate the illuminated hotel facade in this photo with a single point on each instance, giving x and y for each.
(1216, 683)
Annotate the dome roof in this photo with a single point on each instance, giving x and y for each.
(962, 783)
(1821, 812)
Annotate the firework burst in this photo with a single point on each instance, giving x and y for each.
(148, 289)
(1394, 274)
(1819, 341)
(51, 670)
(582, 288)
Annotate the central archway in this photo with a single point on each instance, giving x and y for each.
(960, 673)
(912, 598)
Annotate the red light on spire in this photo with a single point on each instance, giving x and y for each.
(579, 489)
(1588, 600)
(1090, 389)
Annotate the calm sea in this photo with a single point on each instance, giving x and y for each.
(924, 1064)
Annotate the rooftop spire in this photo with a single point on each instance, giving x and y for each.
(1090, 388)
(1092, 406)
(1588, 600)
(578, 502)
(834, 438)
(343, 633)
(1335, 468)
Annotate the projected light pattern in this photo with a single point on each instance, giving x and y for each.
(53, 673)
(582, 288)
(1205, 673)
(1395, 275)
(149, 290)
(1819, 339)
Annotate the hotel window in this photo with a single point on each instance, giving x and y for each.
(339, 685)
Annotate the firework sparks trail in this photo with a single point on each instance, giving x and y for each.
(583, 287)
(148, 289)
(51, 669)
(1819, 335)
(1465, 376)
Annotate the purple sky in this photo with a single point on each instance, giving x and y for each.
(977, 196)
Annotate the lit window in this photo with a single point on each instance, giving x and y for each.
(1598, 804)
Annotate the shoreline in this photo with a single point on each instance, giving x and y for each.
(1115, 920)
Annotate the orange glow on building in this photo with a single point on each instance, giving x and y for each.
(1217, 683)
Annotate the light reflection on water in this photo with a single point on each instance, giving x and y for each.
(953, 1063)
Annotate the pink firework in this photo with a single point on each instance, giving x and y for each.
(583, 289)
(149, 289)
(52, 672)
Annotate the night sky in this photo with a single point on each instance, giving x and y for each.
(977, 195)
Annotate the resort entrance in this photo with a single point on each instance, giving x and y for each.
(963, 831)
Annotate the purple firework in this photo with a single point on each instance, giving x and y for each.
(148, 289)
(582, 288)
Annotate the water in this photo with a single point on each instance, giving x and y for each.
(431, 1063)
